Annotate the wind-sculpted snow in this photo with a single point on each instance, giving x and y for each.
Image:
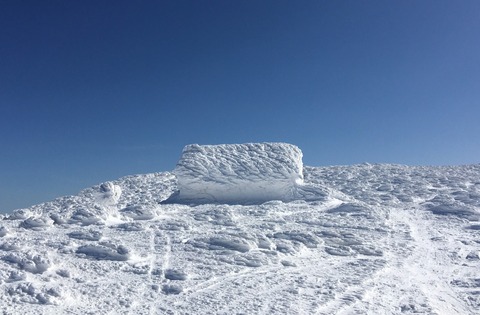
(381, 239)
(241, 174)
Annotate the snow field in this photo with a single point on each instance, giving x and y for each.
(362, 239)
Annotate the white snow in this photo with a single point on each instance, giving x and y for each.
(238, 173)
(253, 231)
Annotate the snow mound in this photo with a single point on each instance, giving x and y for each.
(104, 251)
(248, 173)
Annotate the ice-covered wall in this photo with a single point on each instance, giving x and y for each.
(238, 173)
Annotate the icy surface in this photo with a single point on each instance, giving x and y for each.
(238, 173)
(381, 239)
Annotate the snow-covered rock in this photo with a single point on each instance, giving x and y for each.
(109, 194)
(238, 173)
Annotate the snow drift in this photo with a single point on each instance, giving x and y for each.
(239, 173)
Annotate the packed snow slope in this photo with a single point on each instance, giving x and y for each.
(361, 239)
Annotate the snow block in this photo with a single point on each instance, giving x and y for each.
(238, 173)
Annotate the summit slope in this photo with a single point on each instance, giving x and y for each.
(361, 239)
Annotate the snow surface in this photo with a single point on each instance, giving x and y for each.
(361, 239)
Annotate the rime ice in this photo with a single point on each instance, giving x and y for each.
(239, 173)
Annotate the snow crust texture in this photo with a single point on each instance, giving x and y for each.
(238, 173)
(361, 239)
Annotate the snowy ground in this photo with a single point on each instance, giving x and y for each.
(376, 239)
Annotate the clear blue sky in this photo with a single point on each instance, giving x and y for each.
(94, 90)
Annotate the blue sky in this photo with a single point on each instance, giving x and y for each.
(94, 90)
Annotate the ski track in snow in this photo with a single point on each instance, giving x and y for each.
(379, 239)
